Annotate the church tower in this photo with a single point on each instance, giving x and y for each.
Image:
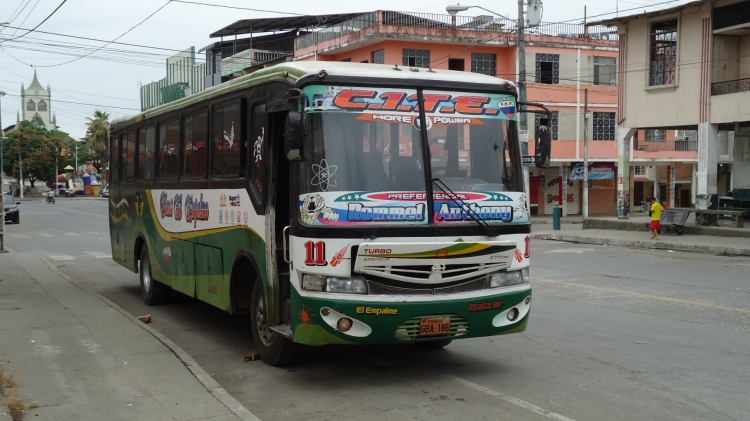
(36, 104)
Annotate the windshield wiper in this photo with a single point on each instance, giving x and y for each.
(440, 185)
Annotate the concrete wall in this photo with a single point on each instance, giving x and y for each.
(677, 104)
(730, 108)
(744, 57)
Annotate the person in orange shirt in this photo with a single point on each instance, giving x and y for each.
(656, 209)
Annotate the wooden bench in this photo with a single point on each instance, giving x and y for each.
(703, 216)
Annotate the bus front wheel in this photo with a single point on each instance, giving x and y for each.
(273, 348)
(152, 291)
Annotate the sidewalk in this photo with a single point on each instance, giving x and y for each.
(713, 244)
(80, 357)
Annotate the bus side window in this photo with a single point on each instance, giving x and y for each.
(227, 140)
(258, 155)
(146, 154)
(187, 147)
(200, 145)
(128, 156)
(169, 140)
(114, 174)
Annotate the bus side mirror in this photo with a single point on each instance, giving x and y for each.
(295, 136)
(543, 148)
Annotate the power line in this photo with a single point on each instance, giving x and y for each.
(619, 11)
(235, 7)
(122, 35)
(40, 23)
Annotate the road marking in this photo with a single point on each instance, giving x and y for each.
(85, 213)
(640, 294)
(98, 254)
(20, 236)
(579, 251)
(93, 232)
(71, 233)
(510, 399)
(44, 234)
(60, 257)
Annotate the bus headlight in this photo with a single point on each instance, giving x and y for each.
(504, 279)
(356, 285)
(346, 285)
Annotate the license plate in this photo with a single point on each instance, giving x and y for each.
(435, 326)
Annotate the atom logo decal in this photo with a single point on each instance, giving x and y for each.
(323, 175)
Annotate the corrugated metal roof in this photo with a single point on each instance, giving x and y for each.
(286, 23)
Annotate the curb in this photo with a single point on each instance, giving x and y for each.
(196, 370)
(719, 251)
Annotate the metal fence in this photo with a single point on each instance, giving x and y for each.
(730, 87)
(665, 145)
(482, 23)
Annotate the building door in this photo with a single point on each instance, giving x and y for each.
(551, 189)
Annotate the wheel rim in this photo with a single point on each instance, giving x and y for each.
(265, 334)
(146, 274)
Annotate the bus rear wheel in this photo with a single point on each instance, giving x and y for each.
(433, 345)
(152, 291)
(273, 348)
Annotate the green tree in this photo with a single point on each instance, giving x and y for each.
(36, 147)
(97, 139)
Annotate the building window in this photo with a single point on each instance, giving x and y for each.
(42, 105)
(540, 120)
(484, 63)
(547, 68)
(663, 52)
(416, 58)
(347, 60)
(655, 135)
(30, 106)
(378, 57)
(605, 71)
(604, 126)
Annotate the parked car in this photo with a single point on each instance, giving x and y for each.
(11, 209)
(105, 191)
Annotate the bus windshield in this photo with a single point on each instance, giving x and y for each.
(366, 162)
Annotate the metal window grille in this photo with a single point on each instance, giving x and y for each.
(542, 120)
(663, 52)
(547, 68)
(484, 63)
(416, 58)
(640, 170)
(604, 126)
(378, 57)
(605, 71)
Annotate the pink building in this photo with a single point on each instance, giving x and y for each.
(562, 60)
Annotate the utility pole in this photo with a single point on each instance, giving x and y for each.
(76, 173)
(586, 155)
(521, 53)
(2, 193)
(20, 167)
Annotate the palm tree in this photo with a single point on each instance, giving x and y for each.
(97, 138)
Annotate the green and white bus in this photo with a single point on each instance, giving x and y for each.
(338, 203)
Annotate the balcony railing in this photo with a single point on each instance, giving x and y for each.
(665, 145)
(730, 87)
(462, 23)
(248, 58)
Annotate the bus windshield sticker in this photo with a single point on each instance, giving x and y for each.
(323, 173)
(405, 207)
(229, 137)
(400, 105)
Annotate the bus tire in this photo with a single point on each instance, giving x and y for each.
(273, 348)
(152, 291)
(433, 345)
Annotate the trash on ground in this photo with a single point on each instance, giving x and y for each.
(145, 319)
(253, 356)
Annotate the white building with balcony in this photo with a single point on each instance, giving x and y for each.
(684, 97)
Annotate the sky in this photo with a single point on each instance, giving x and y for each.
(109, 79)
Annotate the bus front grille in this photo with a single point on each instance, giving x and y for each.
(377, 288)
(409, 330)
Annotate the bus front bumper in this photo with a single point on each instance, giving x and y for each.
(322, 321)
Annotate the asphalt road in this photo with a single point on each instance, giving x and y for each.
(615, 334)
